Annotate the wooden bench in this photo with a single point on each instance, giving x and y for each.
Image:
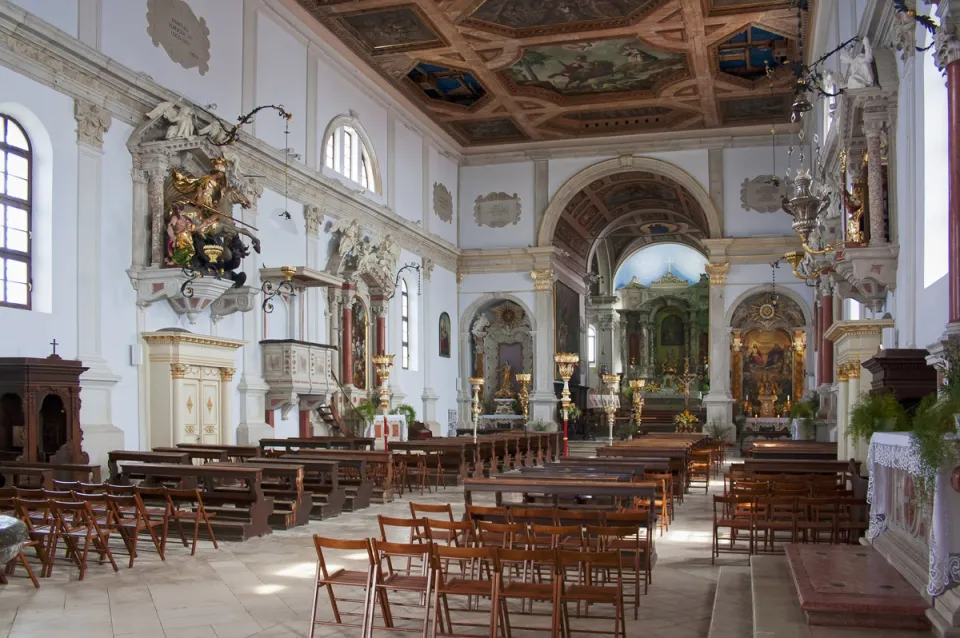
(13, 476)
(321, 479)
(574, 472)
(284, 483)
(82, 472)
(850, 470)
(279, 446)
(114, 457)
(202, 454)
(233, 491)
(353, 475)
(797, 450)
(235, 453)
(554, 489)
(456, 456)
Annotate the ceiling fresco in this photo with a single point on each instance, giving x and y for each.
(629, 210)
(523, 71)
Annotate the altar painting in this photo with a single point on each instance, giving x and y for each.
(359, 345)
(767, 364)
(567, 313)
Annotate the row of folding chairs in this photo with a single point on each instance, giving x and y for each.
(471, 574)
(786, 486)
(82, 517)
(755, 524)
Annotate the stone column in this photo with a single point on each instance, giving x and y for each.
(96, 384)
(842, 410)
(346, 348)
(874, 124)
(947, 57)
(429, 337)
(719, 401)
(226, 433)
(254, 423)
(378, 308)
(859, 449)
(543, 401)
(313, 300)
(826, 320)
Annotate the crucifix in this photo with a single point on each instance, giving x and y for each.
(669, 264)
(54, 344)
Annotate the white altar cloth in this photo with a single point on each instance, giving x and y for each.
(602, 401)
(893, 450)
(397, 429)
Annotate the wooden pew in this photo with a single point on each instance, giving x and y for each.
(114, 457)
(850, 470)
(362, 486)
(233, 491)
(321, 480)
(456, 455)
(275, 447)
(554, 489)
(679, 458)
(13, 476)
(81, 472)
(235, 453)
(792, 450)
(284, 483)
(563, 471)
(202, 454)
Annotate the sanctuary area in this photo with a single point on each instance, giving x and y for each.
(479, 318)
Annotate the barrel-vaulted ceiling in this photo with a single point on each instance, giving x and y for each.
(628, 211)
(509, 71)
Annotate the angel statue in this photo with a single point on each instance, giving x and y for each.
(388, 254)
(350, 236)
(202, 234)
(859, 67)
(178, 116)
(216, 132)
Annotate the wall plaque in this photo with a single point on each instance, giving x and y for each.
(184, 36)
(442, 202)
(763, 193)
(497, 210)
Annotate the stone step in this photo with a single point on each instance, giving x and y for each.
(777, 612)
(732, 605)
(583, 449)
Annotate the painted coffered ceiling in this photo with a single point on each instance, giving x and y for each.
(628, 211)
(514, 71)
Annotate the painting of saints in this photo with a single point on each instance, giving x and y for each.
(671, 331)
(444, 335)
(767, 364)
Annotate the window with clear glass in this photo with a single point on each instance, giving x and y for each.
(15, 208)
(592, 345)
(404, 325)
(346, 153)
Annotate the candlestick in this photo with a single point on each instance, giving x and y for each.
(566, 361)
(382, 363)
(612, 381)
(476, 383)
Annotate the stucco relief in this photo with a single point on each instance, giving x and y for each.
(184, 36)
(442, 202)
(497, 210)
(763, 193)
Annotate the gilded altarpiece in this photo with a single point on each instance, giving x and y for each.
(360, 373)
(768, 348)
(501, 334)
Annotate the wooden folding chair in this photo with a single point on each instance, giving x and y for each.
(419, 510)
(595, 572)
(187, 505)
(734, 513)
(391, 581)
(634, 552)
(327, 579)
(76, 521)
(417, 532)
(41, 523)
(775, 515)
(524, 591)
(130, 517)
(818, 516)
(482, 561)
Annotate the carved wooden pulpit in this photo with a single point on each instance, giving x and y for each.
(40, 410)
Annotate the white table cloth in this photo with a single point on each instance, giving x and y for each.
(893, 450)
(602, 401)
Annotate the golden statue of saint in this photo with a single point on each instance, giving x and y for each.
(506, 381)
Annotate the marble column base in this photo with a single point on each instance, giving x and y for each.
(99, 439)
(720, 408)
(543, 406)
(251, 433)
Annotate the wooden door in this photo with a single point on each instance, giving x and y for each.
(210, 415)
(189, 430)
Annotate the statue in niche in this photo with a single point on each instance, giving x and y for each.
(202, 234)
(506, 382)
(179, 118)
(350, 236)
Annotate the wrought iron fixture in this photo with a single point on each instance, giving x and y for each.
(285, 287)
(396, 282)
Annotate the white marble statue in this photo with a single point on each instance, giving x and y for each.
(479, 328)
(215, 131)
(351, 238)
(388, 254)
(179, 117)
(859, 67)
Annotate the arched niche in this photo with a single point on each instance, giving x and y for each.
(768, 348)
(497, 331)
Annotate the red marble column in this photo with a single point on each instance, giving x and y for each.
(347, 343)
(953, 132)
(827, 321)
(381, 334)
(268, 417)
(305, 429)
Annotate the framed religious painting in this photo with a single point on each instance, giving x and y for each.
(444, 335)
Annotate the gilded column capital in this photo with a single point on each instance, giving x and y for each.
(853, 369)
(226, 374)
(718, 273)
(542, 279)
(842, 376)
(178, 370)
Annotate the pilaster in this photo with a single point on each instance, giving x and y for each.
(719, 401)
(543, 401)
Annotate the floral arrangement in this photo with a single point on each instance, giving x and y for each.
(685, 422)
(652, 388)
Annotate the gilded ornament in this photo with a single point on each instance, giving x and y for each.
(842, 375)
(853, 369)
(226, 374)
(718, 273)
(542, 279)
(178, 370)
(189, 405)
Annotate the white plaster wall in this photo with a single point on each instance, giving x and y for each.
(477, 181)
(444, 171)
(747, 163)
(409, 176)
(45, 113)
(443, 371)
(281, 79)
(124, 38)
(60, 13)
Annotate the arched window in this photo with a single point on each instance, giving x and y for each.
(592, 346)
(404, 325)
(348, 151)
(15, 208)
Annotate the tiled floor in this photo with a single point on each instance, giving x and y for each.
(263, 587)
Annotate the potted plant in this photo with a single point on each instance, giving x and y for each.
(717, 430)
(876, 412)
(368, 412)
(806, 412)
(935, 426)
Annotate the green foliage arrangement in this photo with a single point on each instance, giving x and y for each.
(717, 430)
(876, 412)
(539, 425)
(367, 410)
(806, 411)
(407, 411)
(935, 427)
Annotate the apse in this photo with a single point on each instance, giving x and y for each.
(653, 262)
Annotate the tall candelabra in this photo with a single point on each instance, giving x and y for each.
(476, 383)
(382, 363)
(566, 362)
(637, 386)
(523, 379)
(612, 382)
